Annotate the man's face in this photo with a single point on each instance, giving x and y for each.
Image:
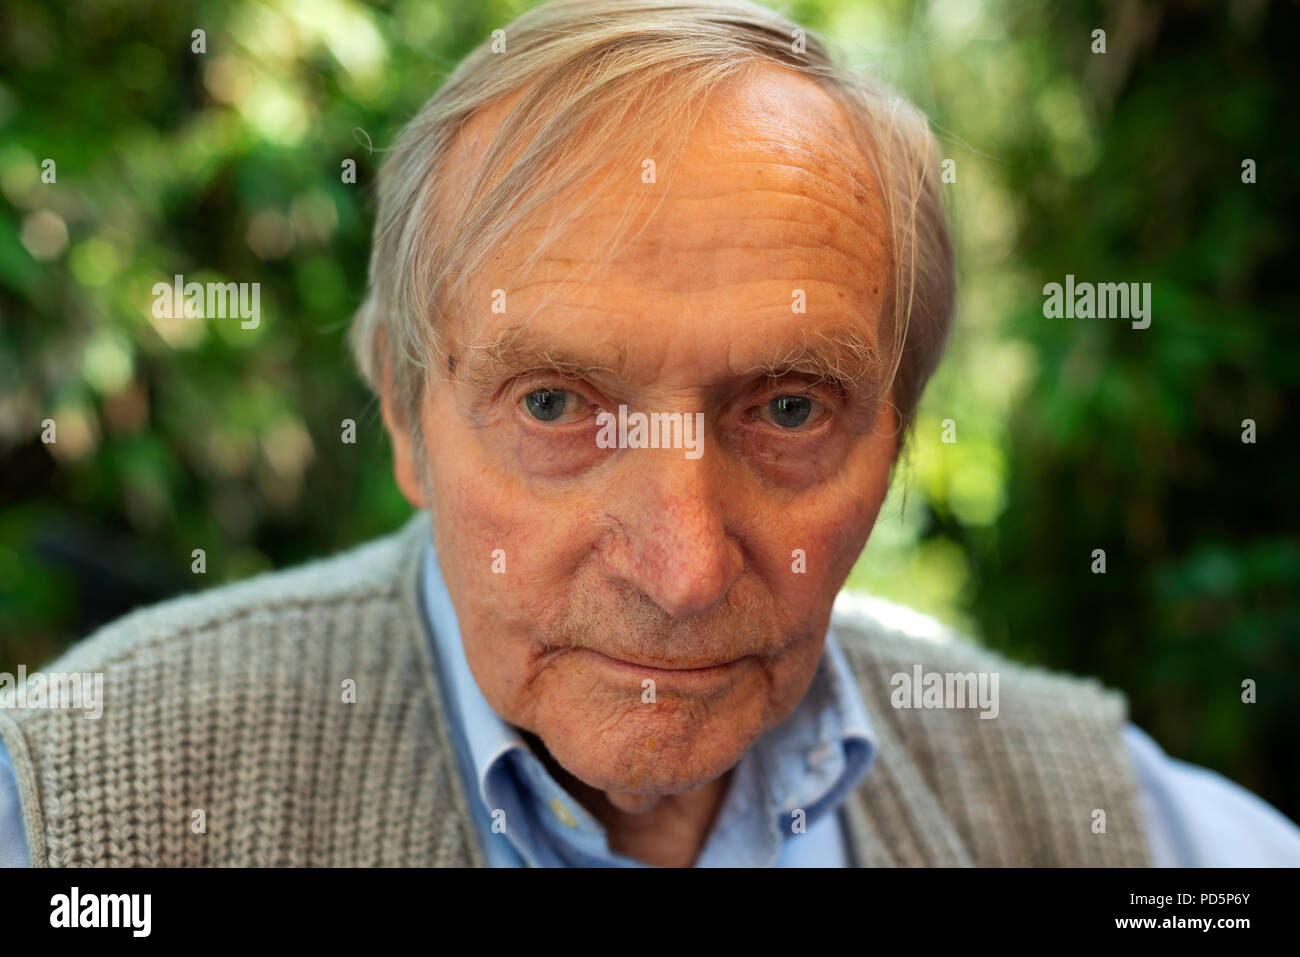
(578, 572)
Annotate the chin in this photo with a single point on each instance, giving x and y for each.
(660, 749)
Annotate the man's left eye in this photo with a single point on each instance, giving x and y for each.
(552, 405)
(790, 412)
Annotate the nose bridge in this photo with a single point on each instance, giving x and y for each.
(679, 551)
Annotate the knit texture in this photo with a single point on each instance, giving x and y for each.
(949, 788)
(231, 703)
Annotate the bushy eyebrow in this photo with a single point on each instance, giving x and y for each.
(844, 360)
(519, 351)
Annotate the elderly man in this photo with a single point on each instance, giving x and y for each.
(655, 290)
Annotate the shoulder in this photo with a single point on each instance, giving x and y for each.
(279, 632)
(1200, 818)
(371, 574)
(298, 710)
(881, 640)
(1023, 788)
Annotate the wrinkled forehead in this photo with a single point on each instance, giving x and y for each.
(771, 189)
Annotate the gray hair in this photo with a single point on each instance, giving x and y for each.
(594, 76)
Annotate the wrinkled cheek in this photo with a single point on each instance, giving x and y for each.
(813, 553)
(860, 502)
(508, 568)
(471, 518)
(852, 535)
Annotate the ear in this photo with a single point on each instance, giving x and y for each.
(404, 466)
(900, 434)
(889, 419)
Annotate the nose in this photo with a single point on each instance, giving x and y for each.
(675, 545)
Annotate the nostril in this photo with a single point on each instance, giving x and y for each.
(690, 580)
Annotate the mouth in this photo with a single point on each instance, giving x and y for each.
(662, 670)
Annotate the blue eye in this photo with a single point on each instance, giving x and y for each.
(546, 405)
(790, 411)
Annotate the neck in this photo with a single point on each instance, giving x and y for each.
(663, 830)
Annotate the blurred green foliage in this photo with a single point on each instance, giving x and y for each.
(1072, 435)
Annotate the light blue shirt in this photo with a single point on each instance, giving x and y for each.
(809, 763)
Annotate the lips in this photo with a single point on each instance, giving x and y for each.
(664, 668)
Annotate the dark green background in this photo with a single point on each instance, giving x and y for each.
(1072, 434)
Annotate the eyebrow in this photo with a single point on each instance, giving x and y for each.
(519, 351)
(845, 360)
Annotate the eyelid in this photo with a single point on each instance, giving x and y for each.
(545, 379)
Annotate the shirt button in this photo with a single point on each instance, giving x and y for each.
(562, 813)
(821, 756)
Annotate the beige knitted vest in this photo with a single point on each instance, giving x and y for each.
(231, 702)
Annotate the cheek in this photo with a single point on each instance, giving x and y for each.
(810, 546)
(510, 558)
(507, 560)
(490, 530)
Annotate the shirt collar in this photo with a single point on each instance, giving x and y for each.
(795, 774)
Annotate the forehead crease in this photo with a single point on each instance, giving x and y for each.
(756, 188)
(755, 221)
(780, 116)
(746, 217)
